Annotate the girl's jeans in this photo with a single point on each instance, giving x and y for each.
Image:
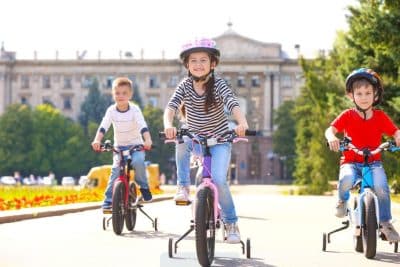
(221, 157)
(351, 172)
(137, 164)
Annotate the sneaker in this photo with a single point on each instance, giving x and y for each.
(232, 233)
(390, 233)
(341, 209)
(182, 195)
(146, 194)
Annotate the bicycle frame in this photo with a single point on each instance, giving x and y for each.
(365, 188)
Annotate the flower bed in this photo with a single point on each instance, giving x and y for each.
(18, 197)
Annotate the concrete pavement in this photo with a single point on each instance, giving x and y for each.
(169, 191)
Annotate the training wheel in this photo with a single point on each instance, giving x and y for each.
(104, 223)
(170, 244)
(155, 224)
(324, 242)
(248, 248)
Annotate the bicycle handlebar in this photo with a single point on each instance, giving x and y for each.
(228, 136)
(346, 144)
(108, 146)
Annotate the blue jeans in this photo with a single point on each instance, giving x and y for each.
(137, 164)
(221, 157)
(350, 172)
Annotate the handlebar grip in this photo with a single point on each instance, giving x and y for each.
(251, 133)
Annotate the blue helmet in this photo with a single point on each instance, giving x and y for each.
(371, 76)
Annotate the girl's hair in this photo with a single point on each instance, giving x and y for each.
(121, 81)
(210, 97)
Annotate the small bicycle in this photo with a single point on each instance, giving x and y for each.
(207, 213)
(125, 201)
(364, 213)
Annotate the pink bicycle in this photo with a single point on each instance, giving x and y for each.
(207, 213)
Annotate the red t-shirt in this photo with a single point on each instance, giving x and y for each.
(363, 133)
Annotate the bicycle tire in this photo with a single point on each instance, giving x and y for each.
(130, 218)
(118, 207)
(205, 227)
(369, 234)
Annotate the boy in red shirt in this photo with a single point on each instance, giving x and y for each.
(364, 125)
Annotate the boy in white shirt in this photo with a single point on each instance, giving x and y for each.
(130, 129)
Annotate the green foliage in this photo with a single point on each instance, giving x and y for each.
(41, 140)
(314, 110)
(94, 106)
(283, 137)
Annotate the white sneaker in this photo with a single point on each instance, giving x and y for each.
(232, 233)
(182, 194)
(390, 233)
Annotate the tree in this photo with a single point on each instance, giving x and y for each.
(94, 106)
(16, 131)
(283, 137)
(315, 165)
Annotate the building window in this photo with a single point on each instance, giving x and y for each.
(286, 81)
(46, 82)
(153, 101)
(24, 100)
(255, 81)
(67, 103)
(109, 82)
(153, 82)
(24, 82)
(173, 81)
(47, 100)
(67, 82)
(241, 82)
(87, 80)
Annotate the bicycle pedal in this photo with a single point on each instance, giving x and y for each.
(107, 211)
(183, 203)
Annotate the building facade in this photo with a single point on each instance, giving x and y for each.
(259, 73)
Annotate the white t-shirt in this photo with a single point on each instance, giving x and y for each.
(128, 125)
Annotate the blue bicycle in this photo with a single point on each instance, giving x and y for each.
(364, 213)
(207, 213)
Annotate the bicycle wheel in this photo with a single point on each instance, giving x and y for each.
(118, 207)
(130, 218)
(357, 240)
(205, 227)
(369, 226)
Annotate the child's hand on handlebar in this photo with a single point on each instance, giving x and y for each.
(241, 130)
(170, 133)
(334, 144)
(147, 144)
(96, 146)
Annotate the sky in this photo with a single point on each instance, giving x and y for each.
(153, 26)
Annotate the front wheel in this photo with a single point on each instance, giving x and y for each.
(130, 218)
(118, 207)
(205, 227)
(369, 226)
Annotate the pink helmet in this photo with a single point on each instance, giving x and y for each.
(201, 45)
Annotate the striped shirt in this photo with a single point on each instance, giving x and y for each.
(198, 121)
(128, 125)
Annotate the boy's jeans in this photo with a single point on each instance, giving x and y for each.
(137, 164)
(221, 157)
(350, 172)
